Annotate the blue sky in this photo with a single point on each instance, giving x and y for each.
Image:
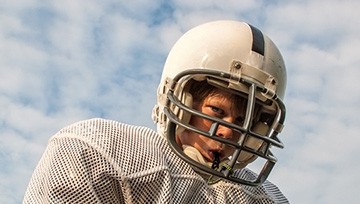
(62, 61)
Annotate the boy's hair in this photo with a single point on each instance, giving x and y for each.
(201, 89)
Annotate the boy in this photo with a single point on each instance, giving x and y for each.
(219, 108)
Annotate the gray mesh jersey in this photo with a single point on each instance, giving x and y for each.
(103, 161)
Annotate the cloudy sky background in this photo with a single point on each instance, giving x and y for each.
(62, 61)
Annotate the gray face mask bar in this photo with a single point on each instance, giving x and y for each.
(226, 171)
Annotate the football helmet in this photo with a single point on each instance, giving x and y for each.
(238, 57)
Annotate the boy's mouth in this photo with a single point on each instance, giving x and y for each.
(215, 152)
(216, 160)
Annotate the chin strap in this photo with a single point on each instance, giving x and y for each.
(195, 155)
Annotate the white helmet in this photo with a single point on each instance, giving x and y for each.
(240, 58)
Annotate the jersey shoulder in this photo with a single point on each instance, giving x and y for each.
(123, 145)
(267, 191)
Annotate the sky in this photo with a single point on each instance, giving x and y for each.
(62, 61)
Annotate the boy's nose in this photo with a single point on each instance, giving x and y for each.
(224, 131)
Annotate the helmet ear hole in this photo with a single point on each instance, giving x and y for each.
(184, 116)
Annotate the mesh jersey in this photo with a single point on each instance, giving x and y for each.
(103, 161)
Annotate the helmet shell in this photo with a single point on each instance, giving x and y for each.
(216, 45)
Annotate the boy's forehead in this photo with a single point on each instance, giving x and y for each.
(226, 93)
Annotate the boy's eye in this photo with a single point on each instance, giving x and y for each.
(217, 110)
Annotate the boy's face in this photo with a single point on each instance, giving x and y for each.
(219, 104)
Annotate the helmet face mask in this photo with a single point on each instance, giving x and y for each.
(241, 71)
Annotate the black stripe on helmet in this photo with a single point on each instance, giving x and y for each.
(258, 40)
